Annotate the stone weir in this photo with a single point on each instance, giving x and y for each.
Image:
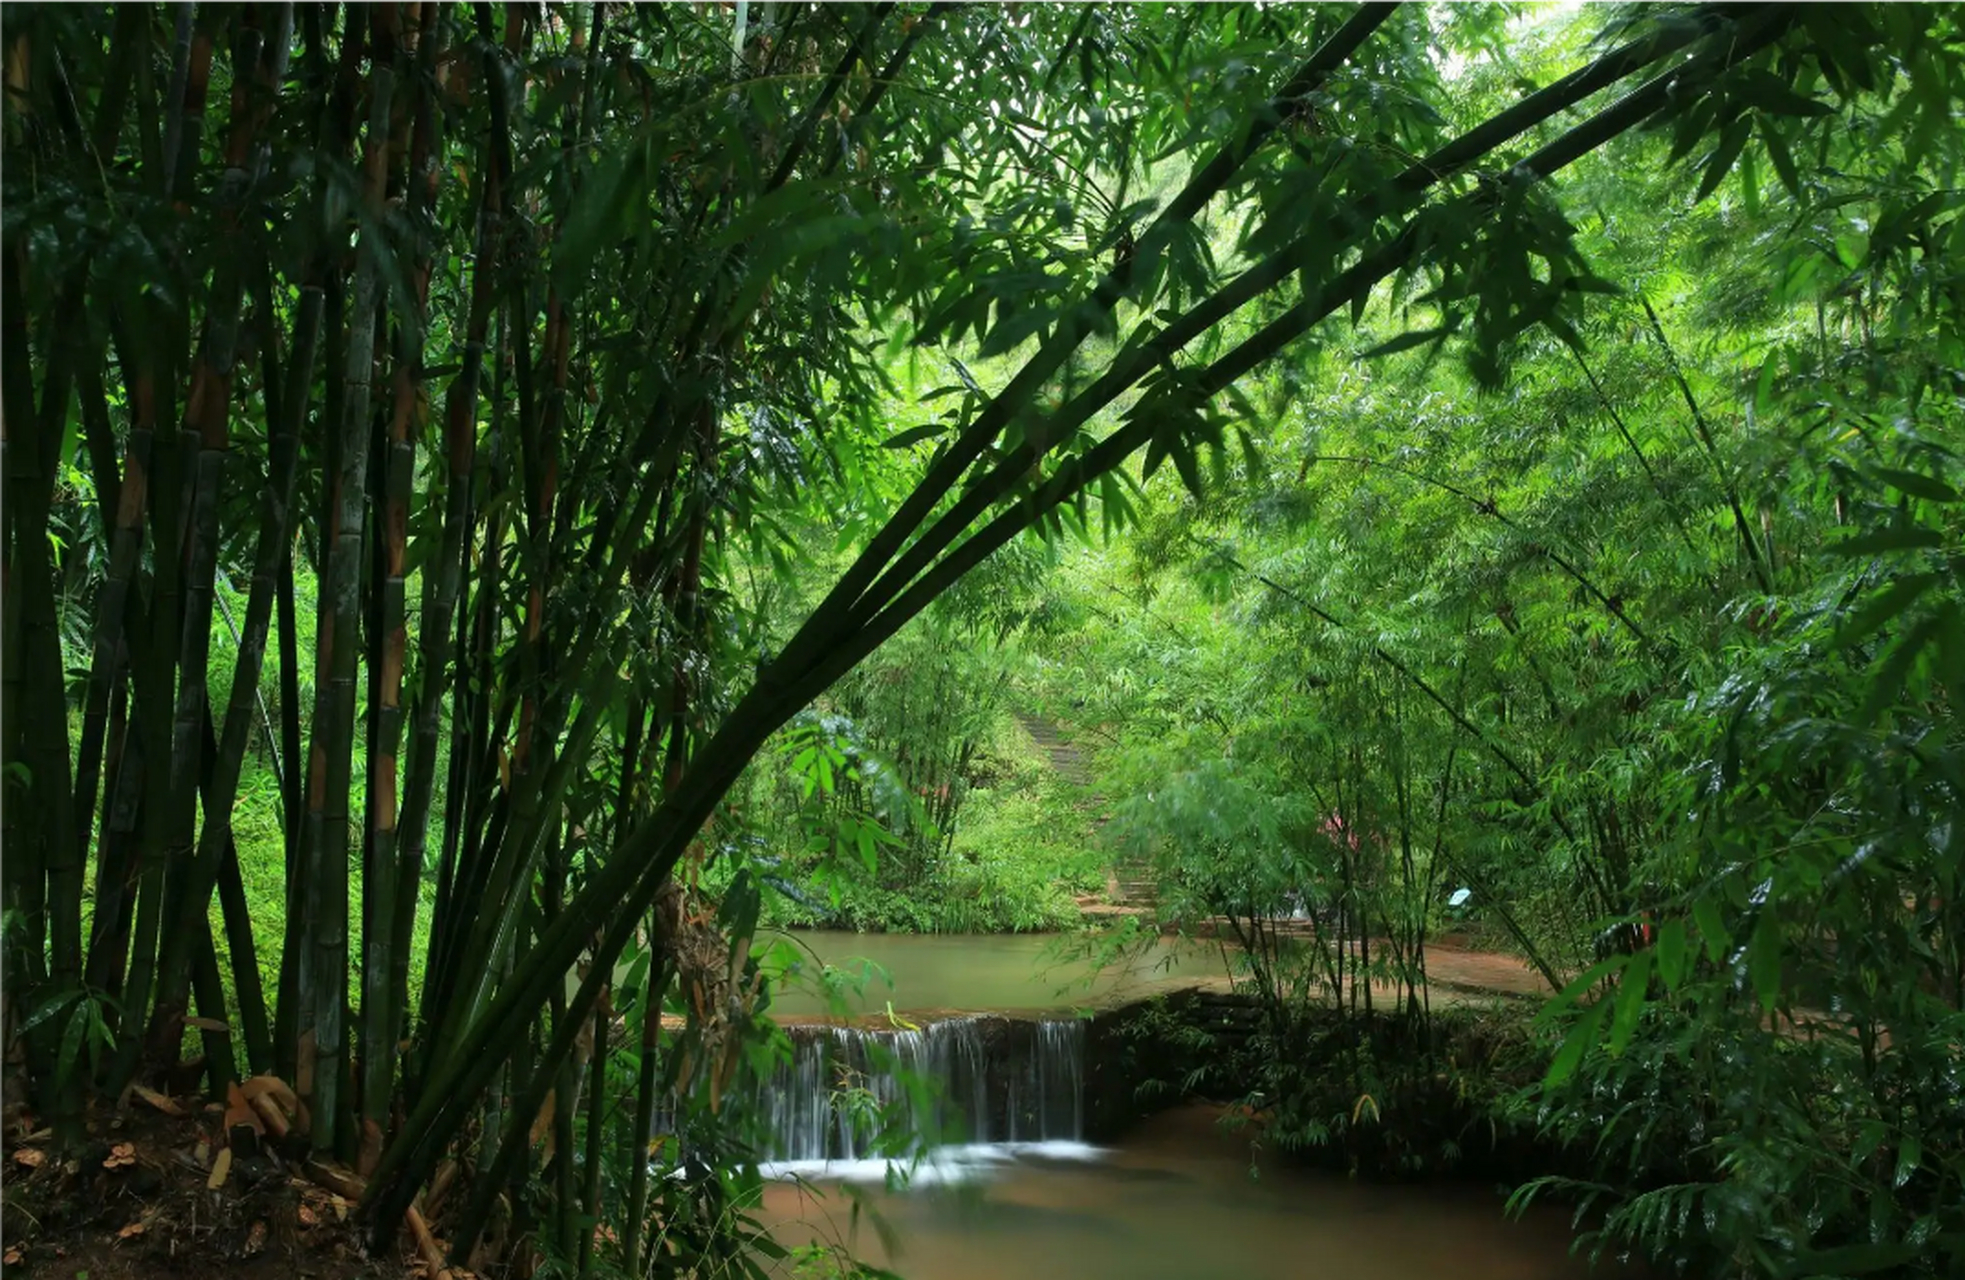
(979, 1078)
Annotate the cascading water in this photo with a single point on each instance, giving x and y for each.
(1047, 1096)
(943, 1098)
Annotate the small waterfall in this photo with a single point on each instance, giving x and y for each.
(1047, 1092)
(850, 1096)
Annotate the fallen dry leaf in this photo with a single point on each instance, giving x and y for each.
(29, 1157)
(208, 1024)
(308, 1217)
(256, 1238)
(12, 1256)
(157, 1100)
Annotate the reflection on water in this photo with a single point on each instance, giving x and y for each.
(1176, 1201)
(1004, 973)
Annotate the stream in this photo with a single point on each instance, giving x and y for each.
(992, 1176)
(1179, 1199)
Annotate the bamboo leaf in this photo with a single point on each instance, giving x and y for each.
(1184, 462)
(1579, 1041)
(1405, 342)
(1581, 984)
(1764, 91)
(1730, 142)
(598, 214)
(1918, 485)
(1894, 538)
(914, 435)
(72, 1038)
(50, 1009)
(1910, 1154)
(1712, 931)
(1782, 158)
(1671, 953)
(1888, 683)
(1631, 988)
(1884, 607)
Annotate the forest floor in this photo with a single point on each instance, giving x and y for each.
(154, 1190)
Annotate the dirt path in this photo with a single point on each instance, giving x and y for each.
(1129, 885)
(1065, 758)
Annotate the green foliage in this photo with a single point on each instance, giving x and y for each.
(1020, 851)
(563, 372)
(1654, 652)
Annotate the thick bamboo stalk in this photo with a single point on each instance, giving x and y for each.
(170, 805)
(221, 1068)
(590, 1203)
(207, 415)
(443, 585)
(331, 752)
(153, 661)
(389, 907)
(122, 531)
(293, 1017)
(49, 876)
(117, 852)
(534, 811)
(647, 1094)
(451, 922)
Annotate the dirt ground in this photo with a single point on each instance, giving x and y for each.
(149, 1194)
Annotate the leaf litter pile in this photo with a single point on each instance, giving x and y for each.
(177, 1186)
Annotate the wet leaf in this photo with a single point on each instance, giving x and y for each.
(1917, 484)
(1671, 953)
(1630, 1002)
(1910, 1154)
(1578, 1042)
(1896, 538)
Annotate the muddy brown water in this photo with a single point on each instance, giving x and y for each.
(1180, 1199)
(1177, 1198)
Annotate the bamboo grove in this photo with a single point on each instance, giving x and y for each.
(483, 343)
